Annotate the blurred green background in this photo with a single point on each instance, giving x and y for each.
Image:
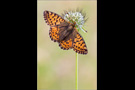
(56, 67)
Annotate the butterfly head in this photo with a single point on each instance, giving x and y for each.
(73, 23)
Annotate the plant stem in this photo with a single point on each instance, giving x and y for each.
(76, 71)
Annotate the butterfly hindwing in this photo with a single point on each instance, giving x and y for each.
(52, 18)
(53, 33)
(58, 32)
(67, 43)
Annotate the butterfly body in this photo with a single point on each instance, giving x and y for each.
(65, 33)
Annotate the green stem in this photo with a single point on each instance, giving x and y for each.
(76, 71)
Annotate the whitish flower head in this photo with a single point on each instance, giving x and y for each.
(77, 17)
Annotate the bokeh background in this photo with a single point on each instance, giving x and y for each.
(56, 67)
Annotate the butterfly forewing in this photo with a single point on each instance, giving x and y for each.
(52, 18)
(79, 45)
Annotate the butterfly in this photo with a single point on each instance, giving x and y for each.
(65, 33)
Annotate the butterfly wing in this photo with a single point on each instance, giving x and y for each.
(52, 18)
(79, 45)
(75, 41)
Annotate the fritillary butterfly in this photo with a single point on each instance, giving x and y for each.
(64, 33)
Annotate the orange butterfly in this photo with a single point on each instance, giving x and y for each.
(65, 33)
